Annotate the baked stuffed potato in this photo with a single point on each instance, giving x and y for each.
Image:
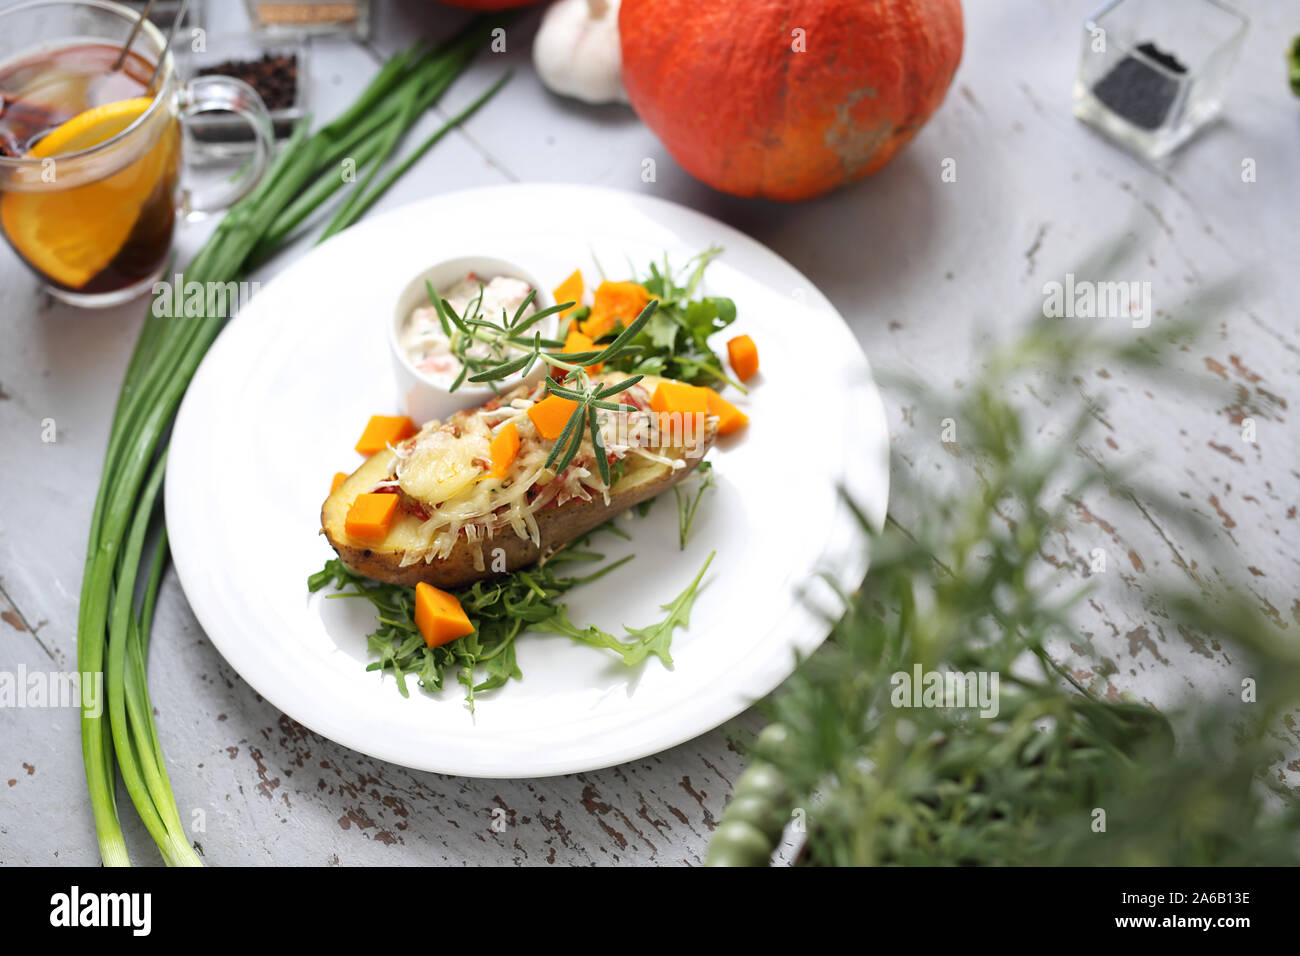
(461, 517)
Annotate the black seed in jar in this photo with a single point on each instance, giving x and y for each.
(1137, 91)
(273, 75)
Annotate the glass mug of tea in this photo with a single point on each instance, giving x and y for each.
(90, 156)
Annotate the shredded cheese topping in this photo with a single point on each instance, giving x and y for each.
(443, 470)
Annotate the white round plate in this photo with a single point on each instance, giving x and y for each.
(278, 403)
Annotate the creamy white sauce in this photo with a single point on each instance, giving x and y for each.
(427, 346)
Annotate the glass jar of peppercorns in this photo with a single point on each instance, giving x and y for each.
(275, 69)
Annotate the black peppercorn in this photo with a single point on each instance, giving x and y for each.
(273, 75)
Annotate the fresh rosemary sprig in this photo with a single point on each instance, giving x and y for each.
(590, 396)
(511, 352)
(507, 336)
(497, 345)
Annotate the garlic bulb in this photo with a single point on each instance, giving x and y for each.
(577, 53)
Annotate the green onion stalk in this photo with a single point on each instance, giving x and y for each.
(113, 626)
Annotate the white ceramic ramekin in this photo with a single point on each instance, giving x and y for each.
(422, 397)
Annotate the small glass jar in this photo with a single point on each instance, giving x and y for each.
(350, 18)
(1153, 72)
(276, 68)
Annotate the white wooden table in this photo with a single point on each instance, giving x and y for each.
(923, 270)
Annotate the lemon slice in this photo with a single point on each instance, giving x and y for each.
(90, 128)
(71, 235)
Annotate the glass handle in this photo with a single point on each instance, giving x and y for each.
(206, 94)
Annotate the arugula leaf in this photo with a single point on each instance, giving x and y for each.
(662, 332)
(703, 317)
(559, 623)
(655, 639)
(500, 669)
(687, 506)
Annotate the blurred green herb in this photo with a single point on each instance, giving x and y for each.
(1293, 65)
(959, 583)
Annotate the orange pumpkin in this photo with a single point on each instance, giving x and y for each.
(786, 99)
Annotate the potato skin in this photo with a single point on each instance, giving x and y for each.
(556, 527)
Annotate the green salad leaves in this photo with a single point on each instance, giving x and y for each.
(674, 343)
(501, 609)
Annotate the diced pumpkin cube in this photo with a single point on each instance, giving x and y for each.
(439, 616)
(551, 414)
(578, 342)
(680, 411)
(503, 448)
(743, 354)
(339, 478)
(730, 418)
(680, 397)
(570, 290)
(614, 302)
(370, 516)
(383, 430)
